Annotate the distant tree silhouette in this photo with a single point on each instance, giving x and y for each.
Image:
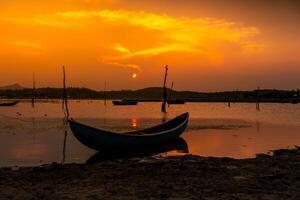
(155, 94)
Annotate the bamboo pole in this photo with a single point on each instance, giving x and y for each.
(65, 96)
(163, 106)
(257, 99)
(66, 113)
(33, 90)
(104, 93)
(64, 141)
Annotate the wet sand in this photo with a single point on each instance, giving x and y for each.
(187, 177)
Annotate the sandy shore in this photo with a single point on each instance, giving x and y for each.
(188, 177)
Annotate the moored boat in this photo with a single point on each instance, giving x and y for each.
(294, 101)
(9, 103)
(99, 139)
(125, 103)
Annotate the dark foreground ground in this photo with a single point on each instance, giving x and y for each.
(189, 177)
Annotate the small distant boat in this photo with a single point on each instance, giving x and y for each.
(175, 101)
(102, 139)
(9, 103)
(125, 103)
(294, 101)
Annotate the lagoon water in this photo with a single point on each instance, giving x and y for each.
(34, 136)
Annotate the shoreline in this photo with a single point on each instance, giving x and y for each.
(274, 176)
(243, 101)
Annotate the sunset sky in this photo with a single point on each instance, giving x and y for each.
(210, 45)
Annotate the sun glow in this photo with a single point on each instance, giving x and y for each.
(134, 75)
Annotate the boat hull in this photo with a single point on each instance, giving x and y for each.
(176, 101)
(101, 139)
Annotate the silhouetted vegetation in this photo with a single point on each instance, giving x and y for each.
(155, 94)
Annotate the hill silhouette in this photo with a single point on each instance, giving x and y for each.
(15, 86)
(155, 94)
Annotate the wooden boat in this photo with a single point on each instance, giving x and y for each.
(9, 103)
(178, 144)
(176, 101)
(102, 139)
(125, 103)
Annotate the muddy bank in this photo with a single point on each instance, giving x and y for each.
(188, 177)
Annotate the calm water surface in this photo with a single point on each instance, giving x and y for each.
(34, 136)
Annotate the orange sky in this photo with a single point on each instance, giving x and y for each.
(208, 45)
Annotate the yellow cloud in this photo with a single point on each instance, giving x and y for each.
(27, 47)
(120, 48)
(51, 20)
(131, 66)
(157, 50)
(127, 54)
(185, 33)
(194, 31)
(253, 47)
(26, 43)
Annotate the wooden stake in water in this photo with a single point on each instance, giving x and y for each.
(66, 112)
(33, 90)
(65, 96)
(65, 127)
(63, 93)
(257, 99)
(104, 93)
(163, 106)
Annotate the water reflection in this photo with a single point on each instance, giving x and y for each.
(178, 145)
(257, 126)
(134, 122)
(164, 117)
(33, 129)
(65, 132)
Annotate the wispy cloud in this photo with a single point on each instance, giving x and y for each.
(158, 50)
(119, 64)
(27, 47)
(47, 20)
(26, 43)
(253, 47)
(145, 53)
(181, 29)
(120, 48)
(197, 35)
